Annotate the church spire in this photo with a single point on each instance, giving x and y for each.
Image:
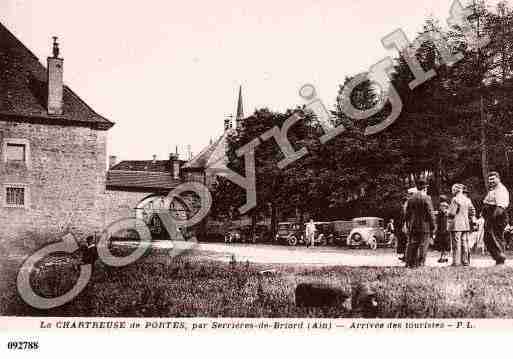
(240, 109)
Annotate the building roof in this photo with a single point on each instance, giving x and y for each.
(142, 180)
(23, 90)
(214, 155)
(150, 166)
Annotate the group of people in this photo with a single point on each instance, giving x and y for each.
(456, 228)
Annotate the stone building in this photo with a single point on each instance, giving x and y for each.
(139, 188)
(54, 175)
(52, 149)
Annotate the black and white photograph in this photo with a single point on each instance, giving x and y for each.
(291, 166)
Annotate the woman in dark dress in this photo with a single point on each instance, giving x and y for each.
(442, 240)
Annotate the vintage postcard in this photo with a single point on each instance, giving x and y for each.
(255, 167)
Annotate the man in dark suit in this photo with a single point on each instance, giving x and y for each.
(421, 222)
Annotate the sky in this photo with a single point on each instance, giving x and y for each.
(168, 72)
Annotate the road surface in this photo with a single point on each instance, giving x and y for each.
(317, 256)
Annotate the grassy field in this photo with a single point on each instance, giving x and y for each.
(187, 286)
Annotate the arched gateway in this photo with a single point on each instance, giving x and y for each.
(144, 186)
(148, 210)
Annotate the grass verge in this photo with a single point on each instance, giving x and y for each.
(160, 286)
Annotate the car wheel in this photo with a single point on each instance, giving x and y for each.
(356, 239)
(373, 243)
(292, 241)
(323, 241)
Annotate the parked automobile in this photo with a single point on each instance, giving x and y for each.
(341, 230)
(244, 234)
(212, 231)
(290, 233)
(263, 234)
(325, 233)
(293, 233)
(369, 232)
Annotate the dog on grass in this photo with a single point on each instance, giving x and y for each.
(362, 300)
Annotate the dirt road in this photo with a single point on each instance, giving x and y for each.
(318, 256)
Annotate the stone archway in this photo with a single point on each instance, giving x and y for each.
(147, 208)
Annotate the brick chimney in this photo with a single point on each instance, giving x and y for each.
(174, 165)
(55, 81)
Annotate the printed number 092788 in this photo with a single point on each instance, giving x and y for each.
(23, 345)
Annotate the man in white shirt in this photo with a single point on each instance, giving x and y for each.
(494, 212)
(310, 232)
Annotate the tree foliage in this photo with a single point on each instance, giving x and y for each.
(438, 133)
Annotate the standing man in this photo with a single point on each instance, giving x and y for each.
(494, 212)
(310, 232)
(421, 224)
(460, 212)
(402, 233)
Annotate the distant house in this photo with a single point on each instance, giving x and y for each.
(141, 187)
(52, 149)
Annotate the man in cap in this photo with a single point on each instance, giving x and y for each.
(421, 223)
(494, 212)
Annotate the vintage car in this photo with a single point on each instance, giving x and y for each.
(325, 233)
(290, 233)
(263, 234)
(243, 234)
(341, 230)
(293, 233)
(369, 232)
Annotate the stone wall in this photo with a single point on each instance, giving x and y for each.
(64, 175)
(121, 204)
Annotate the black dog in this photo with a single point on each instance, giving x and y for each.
(362, 301)
(319, 295)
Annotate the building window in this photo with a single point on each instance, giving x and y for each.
(16, 151)
(15, 195)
